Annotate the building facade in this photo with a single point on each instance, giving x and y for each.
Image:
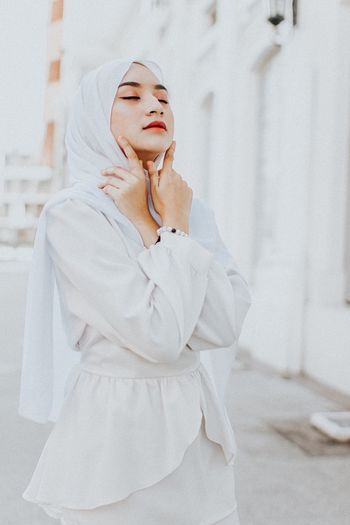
(262, 116)
(262, 127)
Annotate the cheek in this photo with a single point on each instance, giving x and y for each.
(124, 120)
(171, 120)
(117, 119)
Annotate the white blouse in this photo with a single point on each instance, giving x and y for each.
(141, 317)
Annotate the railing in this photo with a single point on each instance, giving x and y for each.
(25, 189)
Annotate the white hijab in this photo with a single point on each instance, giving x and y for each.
(49, 356)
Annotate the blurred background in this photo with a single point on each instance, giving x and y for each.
(261, 97)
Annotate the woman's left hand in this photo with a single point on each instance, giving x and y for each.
(127, 187)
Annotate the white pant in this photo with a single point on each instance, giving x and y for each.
(231, 519)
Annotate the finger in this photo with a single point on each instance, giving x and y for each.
(112, 192)
(118, 172)
(153, 172)
(130, 153)
(109, 179)
(169, 157)
(114, 170)
(113, 181)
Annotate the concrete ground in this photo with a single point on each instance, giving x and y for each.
(277, 482)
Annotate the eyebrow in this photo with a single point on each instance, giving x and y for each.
(137, 84)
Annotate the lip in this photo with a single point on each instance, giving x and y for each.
(158, 124)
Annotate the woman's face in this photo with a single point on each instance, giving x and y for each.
(129, 116)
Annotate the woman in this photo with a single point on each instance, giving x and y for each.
(141, 436)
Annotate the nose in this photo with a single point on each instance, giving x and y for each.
(154, 106)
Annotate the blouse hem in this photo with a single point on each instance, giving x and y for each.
(202, 403)
(56, 507)
(219, 519)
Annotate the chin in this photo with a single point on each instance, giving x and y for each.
(156, 146)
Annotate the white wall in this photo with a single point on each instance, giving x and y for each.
(327, 324)
(275, 162)
(295, 118)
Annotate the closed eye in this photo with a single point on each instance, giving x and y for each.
(160, 100)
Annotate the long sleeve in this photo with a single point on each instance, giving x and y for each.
(150, 303)
(227, 300)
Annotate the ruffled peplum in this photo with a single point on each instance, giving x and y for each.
(118, 435)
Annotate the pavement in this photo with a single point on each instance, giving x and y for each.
(277, 482)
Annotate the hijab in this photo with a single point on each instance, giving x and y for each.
(50, 358)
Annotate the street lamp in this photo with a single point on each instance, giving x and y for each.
(276, 10)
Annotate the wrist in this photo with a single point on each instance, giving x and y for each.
(144, 220)
(147, 228)
(176, 222)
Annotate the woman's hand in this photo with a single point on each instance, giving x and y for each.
(171, 195)
(127, 187)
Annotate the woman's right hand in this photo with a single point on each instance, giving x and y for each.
(171, 195)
